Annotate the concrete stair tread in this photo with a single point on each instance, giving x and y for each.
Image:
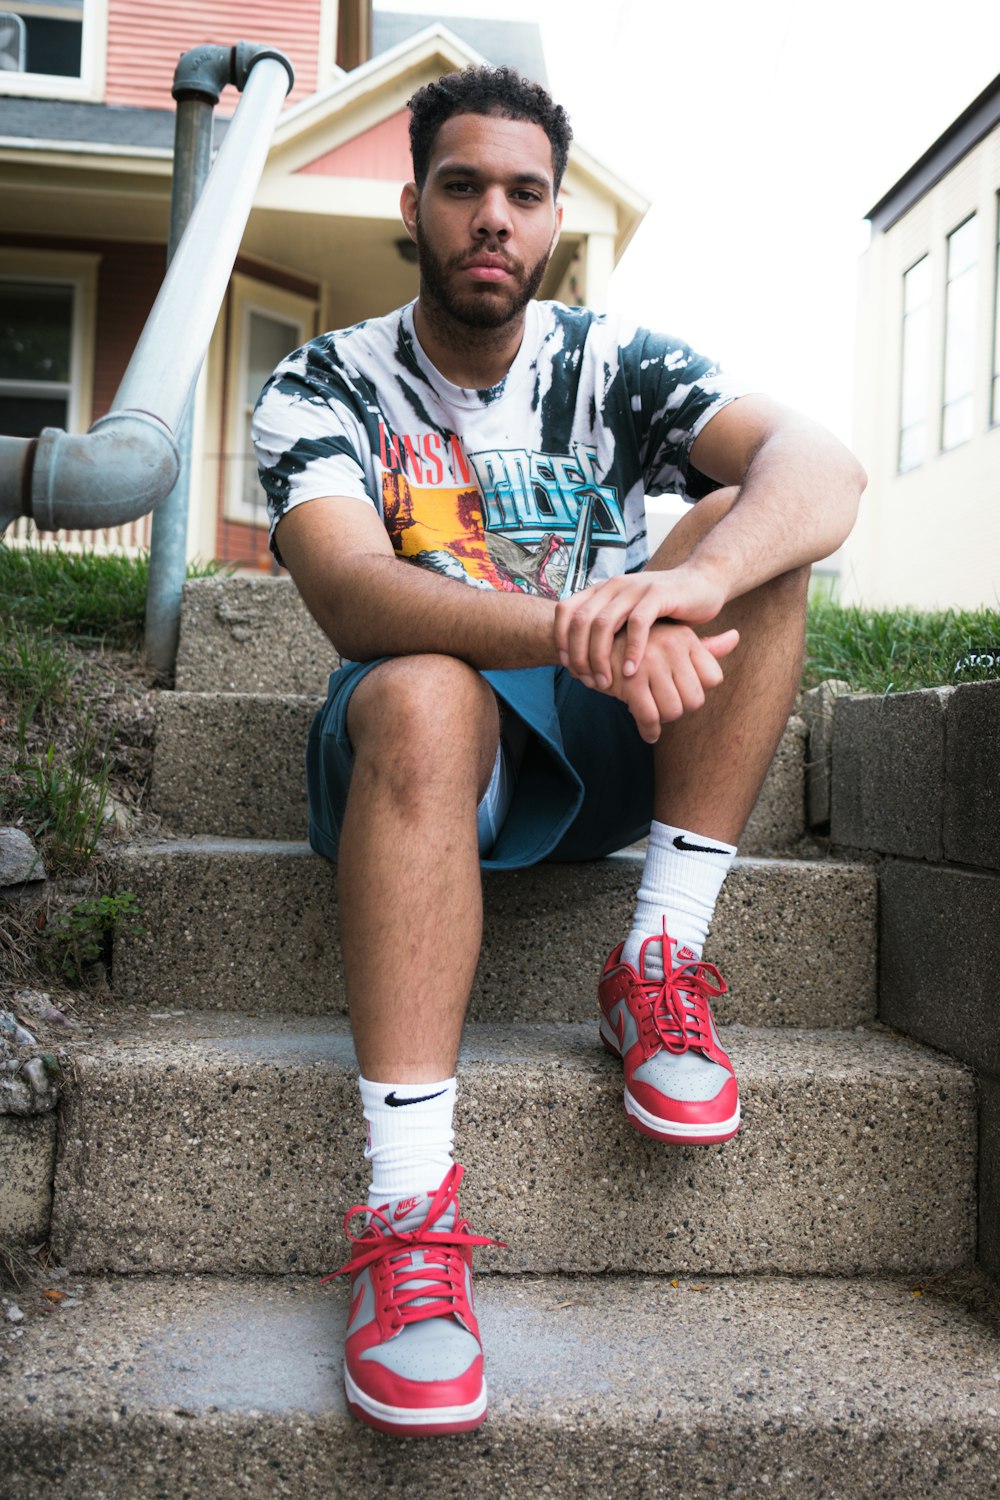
(243, 924)
(249, 749)
(646, 1386)
(205, 1142)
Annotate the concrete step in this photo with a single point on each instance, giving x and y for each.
(250, 635)
(233, 764)
(240, 925)
(789, 1389)
(231, 1144)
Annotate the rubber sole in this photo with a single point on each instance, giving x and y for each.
(659, 1129)
(415, 1422)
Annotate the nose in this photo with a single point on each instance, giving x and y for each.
(492, 219)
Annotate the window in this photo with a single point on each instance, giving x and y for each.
(53, 48)
(960, 334)
(46, 341)
(266, 324)
(913, 400)
(995, 402)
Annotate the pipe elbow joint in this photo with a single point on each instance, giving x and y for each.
(118, 471)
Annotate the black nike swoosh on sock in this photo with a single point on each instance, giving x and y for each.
(680, 842)
(395, 1103)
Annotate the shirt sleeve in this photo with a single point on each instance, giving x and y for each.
(308, 441)
(675, 392)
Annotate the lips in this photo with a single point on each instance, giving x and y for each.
(487, 268)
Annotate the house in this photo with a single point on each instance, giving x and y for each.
(86, 139)
(927, 425)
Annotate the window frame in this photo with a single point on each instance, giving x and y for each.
(995, 375)
(78, 271)
(950, 281)
(928, 304)
(89, 87)
(248, 295)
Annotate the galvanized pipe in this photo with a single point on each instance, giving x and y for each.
(169, 354)
(168, 534)
(128, 461)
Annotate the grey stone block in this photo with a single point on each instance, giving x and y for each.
(235, 925)
(232, 764)
(972, 775)
(989, 1176)
(250, 635)
(27, 1162)
(888, 773)
(816, 712)
(232, 1145)
(939, 958)
(777, 822)
(800, 1389)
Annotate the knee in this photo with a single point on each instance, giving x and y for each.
(423, 711)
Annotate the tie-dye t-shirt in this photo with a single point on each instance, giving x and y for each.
(536, 485)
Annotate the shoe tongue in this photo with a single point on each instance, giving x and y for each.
(651, 959)
(407, 1214)
(411, 1215)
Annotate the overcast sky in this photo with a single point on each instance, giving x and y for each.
(762, 133)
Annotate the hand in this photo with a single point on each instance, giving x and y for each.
(677, 667)
(587, 625)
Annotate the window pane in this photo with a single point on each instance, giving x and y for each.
(270, 339)
(963, 246)
(917, 285)
(25, 416)
(913, 398)
(960, 334)
(957, 424)
(54, 37)
(35, 329)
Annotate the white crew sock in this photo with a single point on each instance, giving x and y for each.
(681, 880)
(410, 1136)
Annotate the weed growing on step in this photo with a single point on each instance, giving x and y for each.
(72, 941)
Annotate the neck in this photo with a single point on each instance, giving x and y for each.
(474, 358)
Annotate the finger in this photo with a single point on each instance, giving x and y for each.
(643, 708)
(663, 688)
(640, 622)
(687, 685)
(721, 645)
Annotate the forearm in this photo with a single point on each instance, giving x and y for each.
(382, 606)
(797, 502)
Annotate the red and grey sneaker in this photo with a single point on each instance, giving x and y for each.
(679, 1083)
(413, 1359)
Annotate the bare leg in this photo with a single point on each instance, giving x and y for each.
(710, 765)
(425, 732)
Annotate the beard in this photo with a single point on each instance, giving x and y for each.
(488, 307)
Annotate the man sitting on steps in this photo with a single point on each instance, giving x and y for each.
(458, 492)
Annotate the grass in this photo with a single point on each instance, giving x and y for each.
(897, 650)
(63, 618)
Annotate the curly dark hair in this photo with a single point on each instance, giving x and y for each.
(485, 91)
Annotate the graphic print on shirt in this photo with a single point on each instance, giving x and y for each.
(521, 522)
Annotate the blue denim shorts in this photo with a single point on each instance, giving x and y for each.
(584, 786)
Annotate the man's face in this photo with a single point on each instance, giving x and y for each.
(485, 220)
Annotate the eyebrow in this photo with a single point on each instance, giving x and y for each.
(522, 179)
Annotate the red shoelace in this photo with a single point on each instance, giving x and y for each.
(408, 1293)
(674, 1012)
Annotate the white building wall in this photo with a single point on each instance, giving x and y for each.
(931, 537)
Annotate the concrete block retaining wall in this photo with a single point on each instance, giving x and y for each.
(916, 780)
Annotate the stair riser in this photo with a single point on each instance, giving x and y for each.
(244, 1158)
(250, 783)
(514, 1458)
(251, 928)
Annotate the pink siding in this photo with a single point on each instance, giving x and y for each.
(145, 41)
(382, 152)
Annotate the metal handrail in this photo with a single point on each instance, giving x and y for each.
(129, 460)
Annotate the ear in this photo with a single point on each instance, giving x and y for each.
(408, 200)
